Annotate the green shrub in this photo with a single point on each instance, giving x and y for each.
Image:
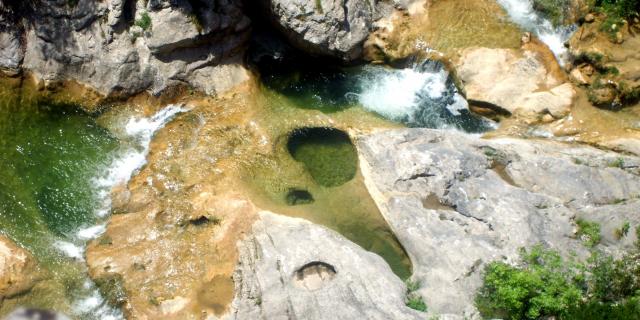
(589, 232)
(617, 12)
(144, 22)
(544, 285)
(541, 286)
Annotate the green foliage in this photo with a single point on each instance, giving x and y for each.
(589, 232)
(617, 163)
(144, 22)
(623, 230)
(544, 285)
(617, 12)
(554, 10)
(415, 302)
(541, 286)
(414, 299)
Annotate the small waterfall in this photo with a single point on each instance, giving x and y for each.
(136, 138)
(523, 14)
(420, 96)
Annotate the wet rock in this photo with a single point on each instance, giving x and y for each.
(322, 276)
(522, 83)
(500, 195)
(332, 28)
(110, 47)
(18, 269)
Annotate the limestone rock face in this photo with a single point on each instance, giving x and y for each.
(290, 268)
(18, 269)
(517, 81)
(457, 202)
(122, 47)
(333, 28)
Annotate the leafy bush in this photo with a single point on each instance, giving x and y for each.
(144, 22)
(544, 285)
(541, 286)
(589, 232)
(617, 12)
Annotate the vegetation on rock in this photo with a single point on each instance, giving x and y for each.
(589, 232)
(144, 22)
(557, 11)
(545, 285)
(414, 299)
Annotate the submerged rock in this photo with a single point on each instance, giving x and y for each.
(291, 268)
(521, 82)
(18, 270)
(457, 202)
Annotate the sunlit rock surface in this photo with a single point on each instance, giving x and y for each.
(520, 82)
(457, 202)
(290, 268)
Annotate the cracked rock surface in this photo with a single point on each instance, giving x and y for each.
(457, 202)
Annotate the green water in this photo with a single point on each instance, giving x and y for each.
(313, 173)
(48, 157)
(327, 154)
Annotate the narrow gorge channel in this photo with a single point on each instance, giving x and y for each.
(206, 159)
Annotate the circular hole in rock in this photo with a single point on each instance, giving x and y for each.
(327, 153)
(296, 197)
(314, 275)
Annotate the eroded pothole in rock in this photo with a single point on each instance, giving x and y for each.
(314, 275)
(327, 153)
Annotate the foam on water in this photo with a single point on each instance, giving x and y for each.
(523, 14)
(419, 96)
(125, 161)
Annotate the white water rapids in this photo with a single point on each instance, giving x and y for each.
(523, 14)
(126, 160)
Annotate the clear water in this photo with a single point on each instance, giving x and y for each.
(57, 168)
(423, 95)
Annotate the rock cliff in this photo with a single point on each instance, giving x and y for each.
(123, 47)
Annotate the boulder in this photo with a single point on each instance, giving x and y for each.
(457, 202)
(290, 268)
(333, 28)
(519, 81)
